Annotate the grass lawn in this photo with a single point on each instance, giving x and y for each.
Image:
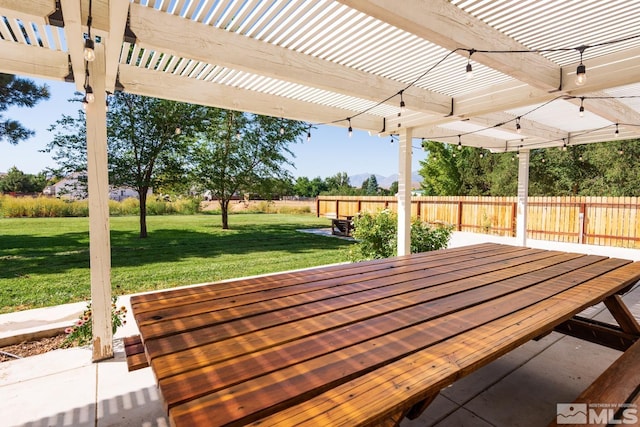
(45, 261)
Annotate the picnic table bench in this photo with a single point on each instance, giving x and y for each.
(361, 344)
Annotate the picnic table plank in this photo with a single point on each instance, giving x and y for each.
(289, 385)
(272, 346)
(155, 298)
(185, 297)
(164, 321)
(365, 307)
(371, 397)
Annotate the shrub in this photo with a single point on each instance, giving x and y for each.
(376, 236)
(81, 333)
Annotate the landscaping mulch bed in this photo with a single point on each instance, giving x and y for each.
(31, 348)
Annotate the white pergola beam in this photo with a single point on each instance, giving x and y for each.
(448, 26)
(28, 10)
(75, 41)
(173, 35)
(523, 195)
(152, 83)
(33, 61)
(404, 192)
(118, 11)
(99, 233)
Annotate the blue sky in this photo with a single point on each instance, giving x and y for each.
(329, 152)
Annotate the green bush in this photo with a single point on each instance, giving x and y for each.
(376, 236)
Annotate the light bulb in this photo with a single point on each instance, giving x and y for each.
(581, 111)
(89, 52)
(620, 151)
(469, 71)
(459, 145)
(89, 94)
(518, 127)
(308, 135)
(581, 74)
(617, 133)
(581, 158)
(178, 131)
(350, 131)
(84, 103)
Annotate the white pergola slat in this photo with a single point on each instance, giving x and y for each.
(324, 61)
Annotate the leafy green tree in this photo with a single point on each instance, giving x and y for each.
(236, 151)
(147, 139)
(23, 93)
(440, 174)
(304, 187)
(372, 186)
(393, 188)
(16, 181)
(337, 182)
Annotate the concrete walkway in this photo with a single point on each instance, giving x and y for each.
(63, 387)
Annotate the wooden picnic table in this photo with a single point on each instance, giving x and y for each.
(364, 343)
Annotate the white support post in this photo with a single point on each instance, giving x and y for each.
(404, 193)
(523, 194)
(98, 185)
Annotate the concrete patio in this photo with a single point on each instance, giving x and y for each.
(63, 387)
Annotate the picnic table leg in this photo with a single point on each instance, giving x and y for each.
(417, 409)
(621, 313)
(393, 420)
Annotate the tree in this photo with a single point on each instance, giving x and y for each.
(16, 181)
(439, 171)
(238, 151)
(304, 187)
(23, 93)
(147, 139)
(338, 181)
(393, 188)
(372, 186)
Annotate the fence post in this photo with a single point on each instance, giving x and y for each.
(337, 208)
(317, 207)
(459, 215)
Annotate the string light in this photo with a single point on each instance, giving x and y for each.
(581, 158)
(481, 152)
(89, 94)
(403, 107)
(281, 127)
(309, 134)
(518, 127)
(620, 151)
(459, 143)
(89, 46)
(178, 131)
(581, 71)
(238, 135)
(350, 128)
(469, 70)
(564, 145)
(581, 110)
(617, 133)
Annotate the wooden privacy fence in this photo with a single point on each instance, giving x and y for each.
(607, 221)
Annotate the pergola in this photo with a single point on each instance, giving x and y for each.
(350, 63)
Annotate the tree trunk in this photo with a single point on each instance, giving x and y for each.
(143, 212)
(224, 208)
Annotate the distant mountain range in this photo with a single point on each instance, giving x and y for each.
(383, 181)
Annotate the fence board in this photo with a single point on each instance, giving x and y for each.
(611, 221)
